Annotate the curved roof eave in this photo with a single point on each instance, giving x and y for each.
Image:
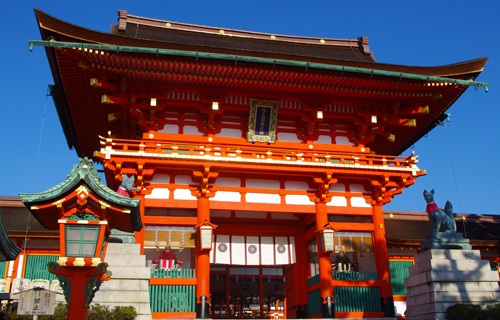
(52, 26)
(84, 173)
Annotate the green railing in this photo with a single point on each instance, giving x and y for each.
(173, 273)
(354, 275)
(3, 269)
(357, 299)
(36, 267)
(172, 298)
(399, 271)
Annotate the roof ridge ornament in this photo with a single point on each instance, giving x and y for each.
(84, 167)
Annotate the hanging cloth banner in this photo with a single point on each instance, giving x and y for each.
(252, 250)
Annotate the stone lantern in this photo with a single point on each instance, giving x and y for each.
(84, 210)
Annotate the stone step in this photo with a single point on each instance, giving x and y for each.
(448, 276)
(130, 272)
(125, 260)
(125, 285)
(105, 297)
(447, 265)
(123, 248)
(456, 297)
(472, 286)
(440, 254)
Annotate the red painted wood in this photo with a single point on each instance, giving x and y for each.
(173, 281)
(202, 256)
(380, 249)
(173, 315)
(359, 314)
(325, 264)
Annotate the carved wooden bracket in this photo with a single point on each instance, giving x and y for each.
(205, 176)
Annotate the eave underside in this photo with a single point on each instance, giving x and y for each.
(88, 118)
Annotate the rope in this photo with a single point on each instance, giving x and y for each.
(34, 183)
(453, 169)
(41, 134)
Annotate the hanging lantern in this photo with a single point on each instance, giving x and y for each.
(205, 235)
(327, 238)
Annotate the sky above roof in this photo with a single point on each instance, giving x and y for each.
(460, 158)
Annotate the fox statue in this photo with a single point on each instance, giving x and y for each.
(127, 186)
(438, 217)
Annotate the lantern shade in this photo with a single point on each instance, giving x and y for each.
(81, 240)
(327, 240)
(206, 237)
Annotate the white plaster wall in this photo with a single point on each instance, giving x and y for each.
(357, 187)
(263, 184)
(230, 133)
(228, 196)
(288, 137)
(170, 128)
(297, 199)
(159, 193)
(263, 198)
(183, 194)
(228, 182)
(326, 139)
(366, 262)
(183, 179)
(296, 185)
(192, 130)
(359, 202)
(337, 187)
(337, 202)
(343, 141)
(159, 178)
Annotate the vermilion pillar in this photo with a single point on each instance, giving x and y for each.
(382, 261)
(202, 264)
(300, 278)
(325, 265)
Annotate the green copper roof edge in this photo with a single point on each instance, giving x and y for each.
(82, 174)
(57, 44)
(52, 193)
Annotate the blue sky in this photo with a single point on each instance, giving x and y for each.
(400, 32)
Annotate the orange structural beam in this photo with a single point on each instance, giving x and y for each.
(260, 207)
(343, 226)
(348, 283)
(359, 315)
(257, 229)
(162, 220)
(173, 281)
(173, 315)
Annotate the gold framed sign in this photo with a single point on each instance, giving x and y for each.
(262, 121)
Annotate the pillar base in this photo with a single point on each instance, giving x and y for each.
(387, 305)
(202, 308)
(327, 308)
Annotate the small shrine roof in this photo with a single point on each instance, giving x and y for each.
(8, 250)
(84, 173)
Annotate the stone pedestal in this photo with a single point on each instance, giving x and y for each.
(442, 278)
(445, 240)
(129, 284)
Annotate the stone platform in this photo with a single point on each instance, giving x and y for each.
(445, 240)
(442, 278)
(129, 284)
